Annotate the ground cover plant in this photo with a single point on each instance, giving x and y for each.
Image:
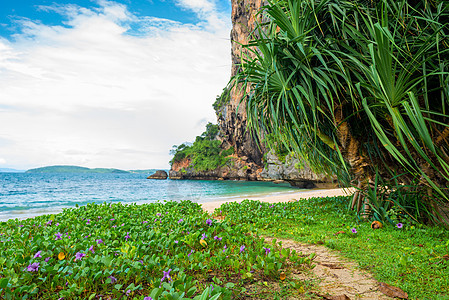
(170, 250)
(411, 256)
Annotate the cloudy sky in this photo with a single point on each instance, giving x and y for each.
(108, 83)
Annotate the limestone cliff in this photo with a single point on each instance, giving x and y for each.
(247, 162)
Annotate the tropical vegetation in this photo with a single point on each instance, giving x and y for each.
(205, 153)
(402, 253)
(169, 250)
(358, 89)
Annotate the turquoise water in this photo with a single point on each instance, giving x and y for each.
(24, 195)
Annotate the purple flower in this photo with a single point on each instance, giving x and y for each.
(57, 224)
(267, 250)
(47, 259)
(88, 222)
(128, 292)
(166, 275)
(58, 236)
(79, 255)
(217, 238)
(33, 267)
(176, 242)
(112, 220)
(242, 248)
(114, 226)
(113, 279)
(190, 253)
(123, 224)
(49, 223)
(209, 222)
(127, 236)
(354, 230)
(158, 214)
(21, 225)
(204, 236)
(99, 241)
(141, 261)
(180, 220)
(399, 225)
(224, 248)
(147, 298)
(92, 249)
(38, 254)
(144, 222)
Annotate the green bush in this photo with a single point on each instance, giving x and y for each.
(222, 100)
(205, 153)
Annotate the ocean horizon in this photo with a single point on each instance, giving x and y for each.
(26, 195)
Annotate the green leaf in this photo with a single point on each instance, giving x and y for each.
(4, 283)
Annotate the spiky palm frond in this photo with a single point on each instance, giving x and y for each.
(354, 86)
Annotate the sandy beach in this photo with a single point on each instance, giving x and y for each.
(282, 197)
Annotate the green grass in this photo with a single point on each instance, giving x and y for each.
(139, 243)
(410, 257)
(115, 251)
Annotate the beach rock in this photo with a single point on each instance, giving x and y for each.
(160, 174)
(292, 170)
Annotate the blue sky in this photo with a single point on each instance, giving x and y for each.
(108, 83)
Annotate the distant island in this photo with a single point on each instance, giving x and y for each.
(9, 170)
(77, 169)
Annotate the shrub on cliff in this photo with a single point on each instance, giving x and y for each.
(205, 153)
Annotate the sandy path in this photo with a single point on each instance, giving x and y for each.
(282, 197)
(336, 276)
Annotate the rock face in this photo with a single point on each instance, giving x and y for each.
(294, 171)
(248, 162)
(232, 117)
(160, 174)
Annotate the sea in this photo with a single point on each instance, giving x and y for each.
(25, 195)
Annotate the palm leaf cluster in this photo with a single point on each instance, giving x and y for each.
(355, 88)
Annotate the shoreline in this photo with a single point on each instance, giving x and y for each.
(209, 204)
(281, 197)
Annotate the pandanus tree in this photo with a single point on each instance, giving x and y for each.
(358, 89)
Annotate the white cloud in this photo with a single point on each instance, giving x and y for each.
(89, 94)
(207, 11)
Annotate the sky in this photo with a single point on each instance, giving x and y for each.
(108, 84)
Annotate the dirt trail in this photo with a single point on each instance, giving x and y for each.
(336, 275)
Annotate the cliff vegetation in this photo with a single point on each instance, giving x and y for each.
(205, 153)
